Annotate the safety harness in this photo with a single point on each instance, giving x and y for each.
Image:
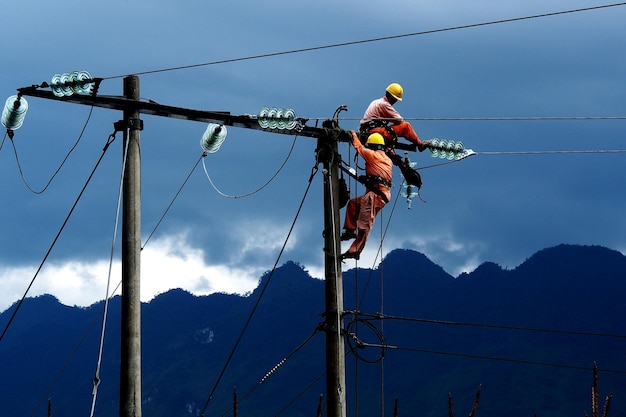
(365, 129)
(372, 183)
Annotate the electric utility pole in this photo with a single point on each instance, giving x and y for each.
(335, 347)
(130, 361)
(328, 137)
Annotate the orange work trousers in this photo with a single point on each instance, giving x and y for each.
(360, 214)
(402, 129)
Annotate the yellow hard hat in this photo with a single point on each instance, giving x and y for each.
(395, 90)
(375, 139)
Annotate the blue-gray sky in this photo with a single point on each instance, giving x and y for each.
(501, 205)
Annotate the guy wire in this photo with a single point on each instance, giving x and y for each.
(96, 378)
(173, 199)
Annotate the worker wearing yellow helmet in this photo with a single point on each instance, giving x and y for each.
(381, 117)
(361, 211)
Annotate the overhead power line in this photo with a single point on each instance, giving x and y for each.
(498, 359)
(371, 40)
(516, 118)
(552, 152)
(491, 326)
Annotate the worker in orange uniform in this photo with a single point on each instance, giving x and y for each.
(361, 211)
(381, 117)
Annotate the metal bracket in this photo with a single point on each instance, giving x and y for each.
(133, 124)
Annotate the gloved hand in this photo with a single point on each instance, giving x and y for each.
(345, 136)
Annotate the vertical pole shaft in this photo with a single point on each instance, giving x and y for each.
(130, 366)
(335, 350)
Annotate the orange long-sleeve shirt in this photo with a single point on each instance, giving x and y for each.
(377, 163)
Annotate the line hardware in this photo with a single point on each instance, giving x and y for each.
(213, 137)
(76, 82)
(274, 118)
(14, 112)
(448, 149)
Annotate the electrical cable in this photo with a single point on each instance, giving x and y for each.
(492, 358)
(355, 343)
(515, 118)
(562, 152)
(308, 387)
(550, 152)
(293, 144)
(96, 378)
(4, 138)
(173, 199)
(19, 166)
(371, 40)
(275, 368)
(56, 238)
(381, 270)
(491, 326)
(489, 119)
(258, 301)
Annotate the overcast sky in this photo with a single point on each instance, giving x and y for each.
(529, 187)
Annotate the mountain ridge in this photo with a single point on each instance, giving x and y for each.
(444, 335)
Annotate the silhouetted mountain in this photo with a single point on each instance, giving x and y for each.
(529, 336)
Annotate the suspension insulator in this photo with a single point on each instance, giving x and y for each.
(79, 82)
(14, 112)
(213, 137)
(276, 118)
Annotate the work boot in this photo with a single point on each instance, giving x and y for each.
(348, 235)
(350, 255)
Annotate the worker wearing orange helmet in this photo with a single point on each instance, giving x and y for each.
(361, 211)
(381, 117)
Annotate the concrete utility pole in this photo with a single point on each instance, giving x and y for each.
(130, 364)
(335, 348)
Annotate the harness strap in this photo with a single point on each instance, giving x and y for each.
(375, 179)
(371, 182)
(391, 140)
(367, 126)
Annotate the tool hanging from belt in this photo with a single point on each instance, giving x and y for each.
(410, 175)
